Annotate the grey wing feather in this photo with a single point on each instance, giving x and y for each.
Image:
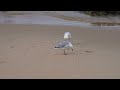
(63, 44)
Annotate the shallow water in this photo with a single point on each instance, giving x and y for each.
(50, 18)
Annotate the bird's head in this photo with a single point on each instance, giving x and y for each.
(67, 35)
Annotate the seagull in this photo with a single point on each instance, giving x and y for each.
(67, 36)
(64, 45)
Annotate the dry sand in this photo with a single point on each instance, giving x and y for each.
(25, 52)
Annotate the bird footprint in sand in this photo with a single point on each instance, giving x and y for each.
(88, 51)
(12, 46)
(2, 60)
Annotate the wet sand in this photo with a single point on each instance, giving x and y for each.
(26, 52)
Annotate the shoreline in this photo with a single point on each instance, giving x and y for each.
(14, 17)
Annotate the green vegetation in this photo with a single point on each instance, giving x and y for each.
(101, 13)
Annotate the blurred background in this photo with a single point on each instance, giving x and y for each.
(105, 18)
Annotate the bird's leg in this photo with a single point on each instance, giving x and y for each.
(64, 52)
(72, 49)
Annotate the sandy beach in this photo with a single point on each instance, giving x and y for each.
(26, 51)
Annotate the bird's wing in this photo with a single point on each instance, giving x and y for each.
(63, 44)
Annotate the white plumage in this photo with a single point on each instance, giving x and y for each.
(67, 36)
